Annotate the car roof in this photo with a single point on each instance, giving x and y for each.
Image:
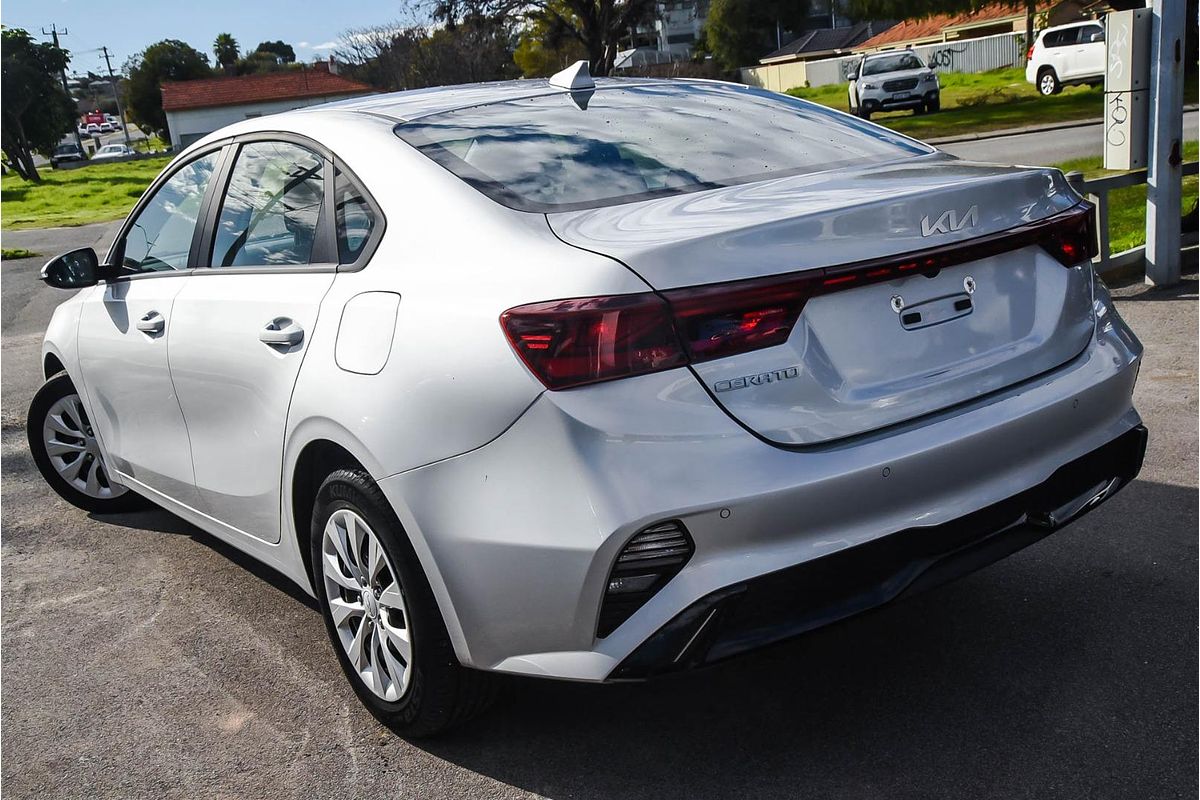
(1073, 25)
(415, 103)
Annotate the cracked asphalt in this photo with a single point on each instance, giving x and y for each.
(143, 658)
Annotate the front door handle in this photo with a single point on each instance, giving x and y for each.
(281, 331)
(152, 323)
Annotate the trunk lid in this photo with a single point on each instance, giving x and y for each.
(874, 355)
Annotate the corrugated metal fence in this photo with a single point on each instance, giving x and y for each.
(965, 55)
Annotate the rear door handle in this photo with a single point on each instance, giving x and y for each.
(281, 331)
(152, 323)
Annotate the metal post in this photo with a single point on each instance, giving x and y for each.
(53, 33)
(112, 81)
(1164, 177)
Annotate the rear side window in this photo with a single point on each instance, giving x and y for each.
(546, 153)
(355, 218)
(272, 207)
(1061, 38)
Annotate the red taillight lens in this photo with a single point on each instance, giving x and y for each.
(1029, 55)
(573, 342)
(720, 320)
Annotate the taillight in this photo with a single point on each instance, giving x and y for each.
(573, 342)
(585, 340)
(1029, 55)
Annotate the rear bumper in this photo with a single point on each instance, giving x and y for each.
(518, 537)
(783, 604)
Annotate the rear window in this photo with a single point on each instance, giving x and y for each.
(547, 154)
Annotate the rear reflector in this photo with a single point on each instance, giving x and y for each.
(574, 342)
(644, 565)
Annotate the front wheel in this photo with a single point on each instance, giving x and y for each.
(381, 614)
(933, 106)
(66, 452)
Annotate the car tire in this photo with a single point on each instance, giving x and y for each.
(919, 110)
(933, 106)
(433, 692)
(66, 452)
(865, 113)
(1048, 82)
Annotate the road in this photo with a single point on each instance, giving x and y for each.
(143, 658)
(1048, 147)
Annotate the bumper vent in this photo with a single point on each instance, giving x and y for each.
(644, 565)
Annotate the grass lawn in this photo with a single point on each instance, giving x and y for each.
(76, 196)
(8, 253)
(1127, 207)
(975, 102)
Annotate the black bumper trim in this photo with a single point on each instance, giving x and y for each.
(792, 601)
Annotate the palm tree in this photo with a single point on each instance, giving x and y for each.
(225, 48)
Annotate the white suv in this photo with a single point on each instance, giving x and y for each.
(1065, 55)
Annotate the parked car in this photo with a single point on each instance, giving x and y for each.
(625, 377)
(891, 81)
(1065, 55)
(66, 152)
(111, 151)
(82, 129)
(93, 129)
(114, 121)
(106, 127)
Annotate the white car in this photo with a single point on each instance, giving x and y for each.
(93, 129)
(591, 381)
(1065, 55)
(111, 151)
(114, 121)
(893, 81)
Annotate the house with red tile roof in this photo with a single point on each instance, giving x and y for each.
(197, 108)
(988, 20)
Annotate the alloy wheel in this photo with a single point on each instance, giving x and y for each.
(1047, 84)
(366, 604)
(73, 451)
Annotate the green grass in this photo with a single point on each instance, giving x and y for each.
(1127, 207)
(77, 196)
(16, 252)
(977, 102)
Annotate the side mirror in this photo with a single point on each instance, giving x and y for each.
(74, 270)
(1098, 37)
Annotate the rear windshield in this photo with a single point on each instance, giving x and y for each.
(547, 154)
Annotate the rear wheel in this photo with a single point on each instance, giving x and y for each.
(1048, 82)
(381, 615)
(66, 452)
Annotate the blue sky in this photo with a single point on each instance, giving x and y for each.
(310, 26)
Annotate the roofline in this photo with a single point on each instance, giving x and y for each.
(192, 107)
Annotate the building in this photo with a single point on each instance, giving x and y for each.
(826, 42)
(989, 20)
(197, 108)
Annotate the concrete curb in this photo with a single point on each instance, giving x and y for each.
(1053, 126)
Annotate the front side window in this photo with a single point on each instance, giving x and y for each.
(160, 237)
(355, 218)
(546, 153)
(272, 207)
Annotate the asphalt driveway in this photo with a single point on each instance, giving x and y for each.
(143, 658)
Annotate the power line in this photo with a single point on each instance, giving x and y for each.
(112, 79)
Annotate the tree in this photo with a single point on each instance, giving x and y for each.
(170, 60)
(598, 25)
(739, 32)
(545, 46)
(282, 51)
(225, 48)
(37, 112)
(393, 57)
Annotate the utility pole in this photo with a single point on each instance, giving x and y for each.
(112, 81)
(1163, 175)
(54, 32)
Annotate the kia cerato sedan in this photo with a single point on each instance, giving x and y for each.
(592, 381)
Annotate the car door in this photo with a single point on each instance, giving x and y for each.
(1057, 44)
(241, 326)
(124, 328)
(1089, 52)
